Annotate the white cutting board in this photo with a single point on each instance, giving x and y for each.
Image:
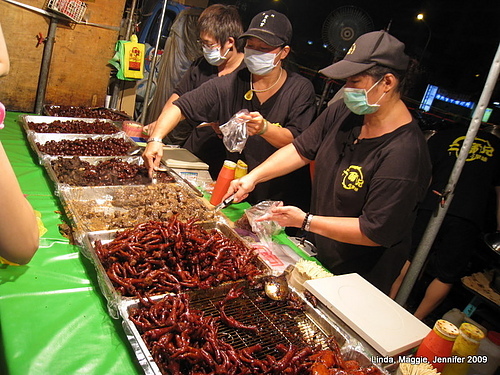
(380, 321)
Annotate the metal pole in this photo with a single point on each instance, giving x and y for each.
(153, 65)
(130, 20)
(45, 67)
(436, 220)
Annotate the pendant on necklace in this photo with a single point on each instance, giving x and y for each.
(249, 95)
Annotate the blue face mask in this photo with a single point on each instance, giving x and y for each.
(260, 63)
(213, 56)
(357, 100)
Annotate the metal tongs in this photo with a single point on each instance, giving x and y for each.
(226, 202)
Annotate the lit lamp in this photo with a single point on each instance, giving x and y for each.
(420, 17)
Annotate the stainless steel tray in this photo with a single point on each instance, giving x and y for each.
(113, 297)
(42, 138)
(60, 184)
(309, 327)
(25, 121)
(98, 208)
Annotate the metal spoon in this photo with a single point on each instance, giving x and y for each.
(276, 287)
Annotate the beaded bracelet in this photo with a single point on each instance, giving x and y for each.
(304, 223)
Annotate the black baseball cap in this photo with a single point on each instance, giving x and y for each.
(370, 49)
(272, 27)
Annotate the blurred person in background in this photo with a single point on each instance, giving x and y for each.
(281, 105)
(372, 166)
(19, 234)
(466, 217)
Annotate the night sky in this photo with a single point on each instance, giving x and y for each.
(464, 36)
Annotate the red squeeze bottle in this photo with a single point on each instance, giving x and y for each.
(438, 343)
(226, 175)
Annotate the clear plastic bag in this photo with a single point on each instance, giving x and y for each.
(263, 229)
(235, 132)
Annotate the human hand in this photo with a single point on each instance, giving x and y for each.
(152, 156)
(240, 187)
(285, 216)
(256, 124)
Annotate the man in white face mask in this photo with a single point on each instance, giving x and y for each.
(372, 166)
(281, 105)
(219, 28)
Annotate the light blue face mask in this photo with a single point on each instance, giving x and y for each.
(213, 56)
(260, 63)
(357, 100)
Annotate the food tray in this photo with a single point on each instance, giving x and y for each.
(309, 327)
(113, 297)
(85, 112)
(98, 208)
(60, 182)
(41, 138)
(26, 119)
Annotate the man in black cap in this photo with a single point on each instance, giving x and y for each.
(372, 166)
(281, 105)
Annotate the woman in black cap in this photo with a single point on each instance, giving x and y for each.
(372, 166)
(281, 105)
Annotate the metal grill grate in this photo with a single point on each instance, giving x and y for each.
(277, 323)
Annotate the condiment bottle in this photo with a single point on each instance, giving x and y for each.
(438, 343)
(466, 345)
(241, 169)
(226, 175)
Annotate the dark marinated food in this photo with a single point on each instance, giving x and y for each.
(86, 112)
(74, 127)
(170, 256)
(76, 172)
(86, 147)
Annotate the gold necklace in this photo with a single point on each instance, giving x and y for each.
(249, 93)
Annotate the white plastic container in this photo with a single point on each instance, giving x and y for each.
(490, 348)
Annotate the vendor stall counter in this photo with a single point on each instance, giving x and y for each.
(53, 318)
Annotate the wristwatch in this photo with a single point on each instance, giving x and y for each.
(154, 140)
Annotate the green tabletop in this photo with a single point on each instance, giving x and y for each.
(53, 318)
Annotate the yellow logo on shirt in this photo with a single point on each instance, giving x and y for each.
(353, 178)
(480, 150)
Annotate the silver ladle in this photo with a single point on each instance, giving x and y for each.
(276, 287)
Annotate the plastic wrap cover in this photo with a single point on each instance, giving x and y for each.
(53, 319)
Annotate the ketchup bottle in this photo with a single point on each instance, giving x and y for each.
(226, 175)
(438, 343)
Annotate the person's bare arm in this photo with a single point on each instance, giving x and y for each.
(19, 235)
(150, 127)
(4, 55)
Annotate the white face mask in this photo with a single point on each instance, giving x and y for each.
(357, 100)
(260, 63)
(213, 56)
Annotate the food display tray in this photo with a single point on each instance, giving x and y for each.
(113, 297)
(93, 160)
(42, 138)
(87, 206)
(85, 112)
(309, 327)
(25, 120)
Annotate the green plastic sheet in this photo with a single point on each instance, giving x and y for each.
(53, 318)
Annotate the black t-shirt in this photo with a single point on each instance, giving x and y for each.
(380, 180)
(479, 176)
(293, 107)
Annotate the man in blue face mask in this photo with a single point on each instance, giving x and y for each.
(372, 166)
(281, 105)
